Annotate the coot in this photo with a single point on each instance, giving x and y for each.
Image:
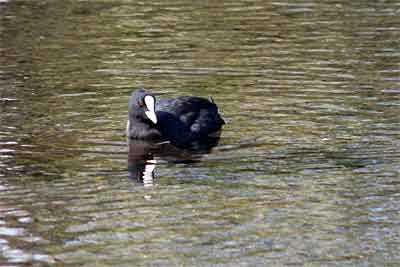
(180, 120)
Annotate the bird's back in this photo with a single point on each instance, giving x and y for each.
(188, 117)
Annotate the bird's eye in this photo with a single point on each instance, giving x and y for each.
(140, 103)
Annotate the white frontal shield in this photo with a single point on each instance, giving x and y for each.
(150, 105)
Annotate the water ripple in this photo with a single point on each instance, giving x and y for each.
(305, 172)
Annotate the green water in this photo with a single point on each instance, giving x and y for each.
(306, 172)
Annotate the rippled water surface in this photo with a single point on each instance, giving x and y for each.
(306, 172)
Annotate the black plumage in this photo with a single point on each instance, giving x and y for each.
(181, 120)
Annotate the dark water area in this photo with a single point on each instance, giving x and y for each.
(305, 173)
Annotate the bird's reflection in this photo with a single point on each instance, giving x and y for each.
(143, 156)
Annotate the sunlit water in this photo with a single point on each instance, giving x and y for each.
(306, 172)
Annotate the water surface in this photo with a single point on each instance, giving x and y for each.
(306, 170)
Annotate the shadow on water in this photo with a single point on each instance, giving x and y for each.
(144, 156)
